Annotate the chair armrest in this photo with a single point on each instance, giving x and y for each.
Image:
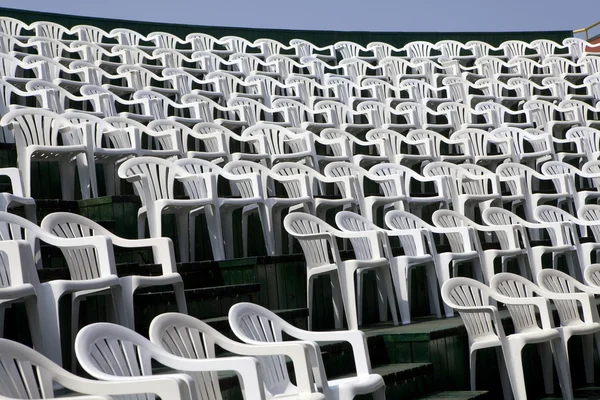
(162, 249)
(15, 180)
(171, 386)
(356, 338)
(247, 369)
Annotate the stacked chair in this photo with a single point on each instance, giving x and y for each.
(465, 160)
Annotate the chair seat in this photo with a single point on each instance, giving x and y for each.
(357, 385)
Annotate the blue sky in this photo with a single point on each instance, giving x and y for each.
(369, 15)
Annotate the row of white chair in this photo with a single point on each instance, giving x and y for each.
(528, 303)
(449, 48)
(88, 251)
(123, 360)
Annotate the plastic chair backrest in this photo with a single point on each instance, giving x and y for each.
(511, 285)
(472, 294)
(39, 127)
(316, 250)
(158, 177)
(558, 282)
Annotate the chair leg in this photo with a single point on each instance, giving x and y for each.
(524, 269)
(127, 290)
(92, 177)
(309, 297)
(227, 229)
(49, 298)
(178, 289)
(388, 300)
(141, 225)
(473, 369)
(30, 213)
(359, 295)
(183, 231)
(432, 286)
(75, 304)
(573, 265)
(119, 307)
(86, 185)
(267, 225)
(382, 296)
(245, 234)
(443, 274)
(514, 366)
(481, 268)
(561, 359)
(588, 357)
(111, 180)
(547, 371)
(213, 220)
(379, 394)
(401, 285)
(192, 234)
(33, 317)
(67, 180)
(535, 262)
(504, 379)
(25, 168)
(337, 300)
(348, 289)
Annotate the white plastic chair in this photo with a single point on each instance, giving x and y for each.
(112, 353)
(319, 244)
(498, 115)
(573, 320)
(540, 113)
(398, 149)
(30, 375)
(210, 141)
(577, 183)
(400, 179)
(523, 185)
(347, 147)
(153, 179)
(310, 186)
(507, 247)
(17, 284)
(484, 327)
(270, 206)
(390, 194)
(256, 325)
(69, 225)
(468, 185)
(558, 244)
(437, 147)
(524, 147)
(588, 216)
(589, 141)
(414, 242)
(462, 116)
(37, 133)
(187, 337)
(97, 275)
(17, 198)
(461, 249)
(480, 147)
(278, 144)
(154, 142)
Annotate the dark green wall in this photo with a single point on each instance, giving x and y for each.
(320, 38)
